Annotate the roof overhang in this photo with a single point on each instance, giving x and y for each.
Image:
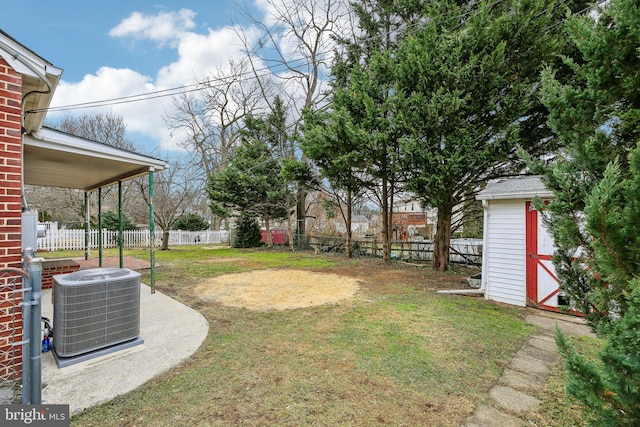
(57, 159)
(39, 79)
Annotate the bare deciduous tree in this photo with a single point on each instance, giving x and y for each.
(174, 195)
(101, 127)
(297, 47)
(211, 116)
(67, 205)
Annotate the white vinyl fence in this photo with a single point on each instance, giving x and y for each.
(74, 239)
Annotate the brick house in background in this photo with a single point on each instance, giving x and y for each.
(411, 219)
(36, 155)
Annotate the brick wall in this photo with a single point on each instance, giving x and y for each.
(10, 212)
(54, 267)
(10, 167)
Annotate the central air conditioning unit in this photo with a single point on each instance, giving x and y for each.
(95, 309)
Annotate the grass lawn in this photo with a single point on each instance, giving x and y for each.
(397, 354)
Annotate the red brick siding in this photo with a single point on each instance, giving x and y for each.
(10, 211)
(52, 268)
(10, 166)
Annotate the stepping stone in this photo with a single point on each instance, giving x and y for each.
(543, 343)
(521, 381)
(513, 400)
(530, 366)
(535, 353)
(488, 416)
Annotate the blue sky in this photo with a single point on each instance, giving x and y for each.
(74, 35)
(110, 49)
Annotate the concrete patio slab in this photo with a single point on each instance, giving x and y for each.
(171, 331)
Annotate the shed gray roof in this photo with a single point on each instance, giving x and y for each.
(520, 187)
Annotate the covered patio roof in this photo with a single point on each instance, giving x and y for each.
(56, 159)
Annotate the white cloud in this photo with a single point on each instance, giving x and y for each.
(111, 84)
(165, 27)
(198, 55)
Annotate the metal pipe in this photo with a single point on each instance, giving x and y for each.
(26, 334)
(34, 268)
(461, 291)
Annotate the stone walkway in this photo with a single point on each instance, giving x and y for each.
(514, 394)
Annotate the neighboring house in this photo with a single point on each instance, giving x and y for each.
(32, 154)
(517, 248)
(359, 225)
(410, 219)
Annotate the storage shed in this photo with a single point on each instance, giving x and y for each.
(517, 248)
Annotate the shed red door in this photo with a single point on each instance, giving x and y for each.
(542, 284)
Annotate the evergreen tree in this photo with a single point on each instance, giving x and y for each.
(252, 184)
(111, 221)
(330, 140)
(247, 232)
(191, 222)
(363, 110)
(464, 88)
(595, 216)
(434, 96)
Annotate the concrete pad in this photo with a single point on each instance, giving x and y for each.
(530, 366)
(171, 331)
(522, 381)
(513, 400)
(488, 416)
(544, 343)
(548, 357)
(567, 324)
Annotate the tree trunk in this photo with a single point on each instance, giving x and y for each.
(442, 241)
(290, 234)
(267, 227)
(348, 249)
(301, 210)
(165, 240)
(289, 226)
(216, 222)
(386, 223)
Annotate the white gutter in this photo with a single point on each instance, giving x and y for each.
(19, 59)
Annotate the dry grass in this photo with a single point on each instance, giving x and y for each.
(396, 354)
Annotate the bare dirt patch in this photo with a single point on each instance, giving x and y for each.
(278, 289)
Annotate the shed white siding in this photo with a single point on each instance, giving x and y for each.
(504, 275)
